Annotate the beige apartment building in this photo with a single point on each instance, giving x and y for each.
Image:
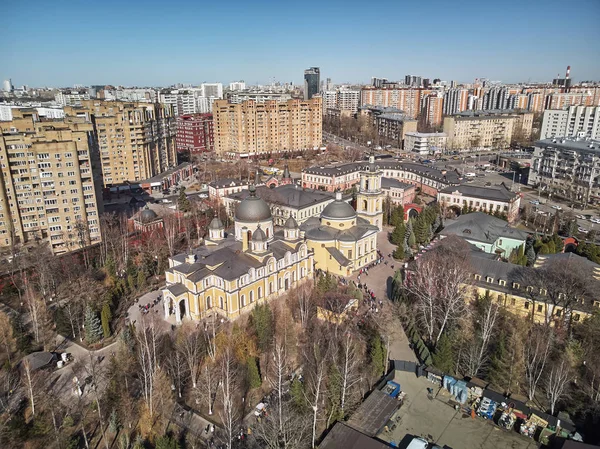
(409, 100)
(250, 128)
(489, 129)
(136, 140)
(50, 187)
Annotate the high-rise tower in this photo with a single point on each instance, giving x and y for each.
(312, 82)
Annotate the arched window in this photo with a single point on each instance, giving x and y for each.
(364, 204)
(251, 297)
(280, 283)
(267, 232)
(270, 288)
(260, 292)
(249, 235)
(243, 300)
(221, 303)
(208, 302)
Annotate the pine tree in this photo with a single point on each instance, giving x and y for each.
(167, 442)
(398, 253)
(420, 229)
(253, 373)
(334, 394)
(141, 279)
(377, 354)
(183, 203)
(530, 255)
(443, 357)
(397, 285)
(397, 216)
(93, 327)
(297, 394)
(262, 322)
(397, 236)
(106, 316)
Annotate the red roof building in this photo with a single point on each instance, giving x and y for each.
(194, 133)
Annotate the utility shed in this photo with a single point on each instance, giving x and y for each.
(342, 436)
(374, 413)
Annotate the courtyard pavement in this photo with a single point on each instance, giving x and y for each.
(437, 421)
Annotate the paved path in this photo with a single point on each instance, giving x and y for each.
(379, 280)
(134, 314)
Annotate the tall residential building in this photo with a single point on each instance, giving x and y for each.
(72, 98)
(455, 101)
(486, 129)
(576, 121)
(195, 133)
(433, 109)
(50, 188)
(394, 126)
(348, 100)
(312, 82)
(237, 85)
(182, 102)
(7, 85)
(137, 140)
(569, 165)
(214, 90)
(250, 128)
(495, 98)
(378, 82)
(259, 96)
(411, 80)
(405, 99)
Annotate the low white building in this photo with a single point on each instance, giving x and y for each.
(497, 199)
(225, 187)
(425, 143)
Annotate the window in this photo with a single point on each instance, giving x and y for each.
(513, 301)
(259, 292)
(540, 308)
(527, 305)
(502, 283)
(243, 300)
(576, 317)
(251, 297)
(208, 302)
(516, 285)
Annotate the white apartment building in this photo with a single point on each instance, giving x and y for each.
(568, 165)
(183, 102)
(212, 90)
(5, 113)
(51, 113)
(71, 98)
(348, 100)
(237, 85)
(258, 96)
(576, 121)
(329, 100)
(425, 143)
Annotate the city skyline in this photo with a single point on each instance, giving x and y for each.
(148, 46)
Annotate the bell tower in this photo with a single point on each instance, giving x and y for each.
(369, 201)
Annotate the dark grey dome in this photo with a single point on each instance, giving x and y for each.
(215, 224)
(147, 215)
(259, 235)
(338, 210)
(253, 208)
(290, 223)
(319, 233)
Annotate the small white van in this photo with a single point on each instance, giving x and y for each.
(418, 443)
(470, 175)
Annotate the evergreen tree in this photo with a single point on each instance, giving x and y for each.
(131, 282)
(397, 285)
(397, 216)
(167, 442)
(253, 373)
(398, 253)
(558, 242)
(377, 354)
(262, 322)
(106, 316)
(397, 237)
(141, 279)
(530, 256)
(183, 203)
(412, 242)
(297, 394)
(93, 326)
(326, 283)
(420, 229)
(443, 356)
(334, 394)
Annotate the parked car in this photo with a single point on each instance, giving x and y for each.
(582, 230)
(535, 202)
(595, 220)
(581, 217)
(418, 443)
(557, 207)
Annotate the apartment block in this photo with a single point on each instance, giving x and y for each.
(195, 133)
(258, 96)
(425, 143)
(50, 189)
(489, 129)
(250, 128)
(394, 126)
(576, 121)
(433, 109)
(568, 165)
(455, 101)
(406, 99)
(346, 100)
(136, 140)
(71, 98)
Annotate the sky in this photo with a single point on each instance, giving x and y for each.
(152, 43)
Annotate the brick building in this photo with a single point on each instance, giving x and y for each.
(195, 133)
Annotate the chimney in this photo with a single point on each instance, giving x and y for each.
(338, 195)
(568, 72)
(244, 239)
(191, 258)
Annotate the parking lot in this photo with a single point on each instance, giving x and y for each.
(437, 421)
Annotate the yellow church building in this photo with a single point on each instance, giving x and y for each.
(232, 272)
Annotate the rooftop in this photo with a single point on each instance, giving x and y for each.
(373, 414)
(481, 227)
(494, 193)
(426, 135)
(574, 144)
(387, 183)
(395, 116)
(287, 195)
(342, 436)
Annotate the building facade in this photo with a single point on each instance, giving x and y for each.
(369, 200)
(576, 121)
(455, 101)
(433, 109)
(51, 182)
(408, 99)
(570, 165)
(312, 82)
(497, 199)
(487, 129)
(195, 133)
(427, 179)
(238, 97)
(394, 127)
(250, 128)
(398, 193)
(137, 140)
(425, 143)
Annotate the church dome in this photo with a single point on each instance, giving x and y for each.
(215, 224)
(253, 208)
(147, 215)
(290, 223)
(259, 235)
(338, 210)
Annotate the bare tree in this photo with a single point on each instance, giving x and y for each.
(349, 365)
(315, 370)
(177, 367)
(439, 283)
(209, 379)
(189, 343)
(31, 384)
(486, 323)
(7, 338)
(98, 377)
(147, 339)
(536, 354)
(171, 227)
(557, 380)
(229, 415)
(210, 337)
